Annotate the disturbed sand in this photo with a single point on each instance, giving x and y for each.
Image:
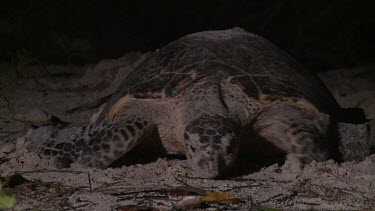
(162, 182)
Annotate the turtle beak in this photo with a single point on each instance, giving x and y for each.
(211, 160)
(211, 165)
(211, 143)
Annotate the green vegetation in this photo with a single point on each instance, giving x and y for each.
(7, 199)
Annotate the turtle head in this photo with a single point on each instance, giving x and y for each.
(211, 144)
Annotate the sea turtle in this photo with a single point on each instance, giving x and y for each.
(200, 92)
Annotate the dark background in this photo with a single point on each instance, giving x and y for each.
(321, 34)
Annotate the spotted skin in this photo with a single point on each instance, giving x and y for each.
(211, 144)
(110, 140)
(295, 130)
(201, 92)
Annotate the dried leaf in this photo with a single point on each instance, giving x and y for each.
(219, 196)
(13, 181)
(189, 201)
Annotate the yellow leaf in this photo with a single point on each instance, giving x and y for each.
(219, 196)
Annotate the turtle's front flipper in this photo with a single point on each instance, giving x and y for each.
(111, 138)
(297, 131)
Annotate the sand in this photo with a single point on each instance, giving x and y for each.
(162, 182)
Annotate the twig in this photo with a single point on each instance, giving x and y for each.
(240, 187)
(10, 131)
(89, 178)
(80, 206)
(49, 171)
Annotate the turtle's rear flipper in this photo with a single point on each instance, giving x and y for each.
(357, 141)
(305, 135)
